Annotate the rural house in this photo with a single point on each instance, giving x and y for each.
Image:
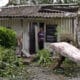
(28, 19)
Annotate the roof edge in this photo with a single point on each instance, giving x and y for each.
(71, 4)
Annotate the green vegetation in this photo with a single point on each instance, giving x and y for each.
(11, 67)
(66, 36)
(69, 69)
(7, 37)
(44, 1)
(43, 57)
(17, 2)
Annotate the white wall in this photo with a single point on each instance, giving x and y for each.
(26, 35)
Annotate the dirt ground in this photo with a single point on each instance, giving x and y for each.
(42, 73)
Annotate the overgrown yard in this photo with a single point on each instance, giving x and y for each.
(42, 70)
(14, 69)
(38, 72)
(41, 67)
(11, 67)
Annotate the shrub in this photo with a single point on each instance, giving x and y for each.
(10, 65)
(7, 37)
(67, 37)
(44, 57)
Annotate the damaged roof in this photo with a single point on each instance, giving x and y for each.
(39, 11)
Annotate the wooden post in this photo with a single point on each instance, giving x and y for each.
(36, 36)
(76, 29)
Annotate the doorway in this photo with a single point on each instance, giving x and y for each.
(41, 36)
(32, 46)
(34, 43)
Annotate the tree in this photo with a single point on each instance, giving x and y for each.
(17, 2)
(68, 1)
(32, 1)
(59, 1)
(77, 1)
(45, 1)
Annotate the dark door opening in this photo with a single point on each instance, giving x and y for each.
(32, 46)
(41, 36)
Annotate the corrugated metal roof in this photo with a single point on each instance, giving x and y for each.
(38, 11)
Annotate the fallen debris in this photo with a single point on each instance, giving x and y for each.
(67, 50)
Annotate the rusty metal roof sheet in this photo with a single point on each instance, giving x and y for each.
(38, 11)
